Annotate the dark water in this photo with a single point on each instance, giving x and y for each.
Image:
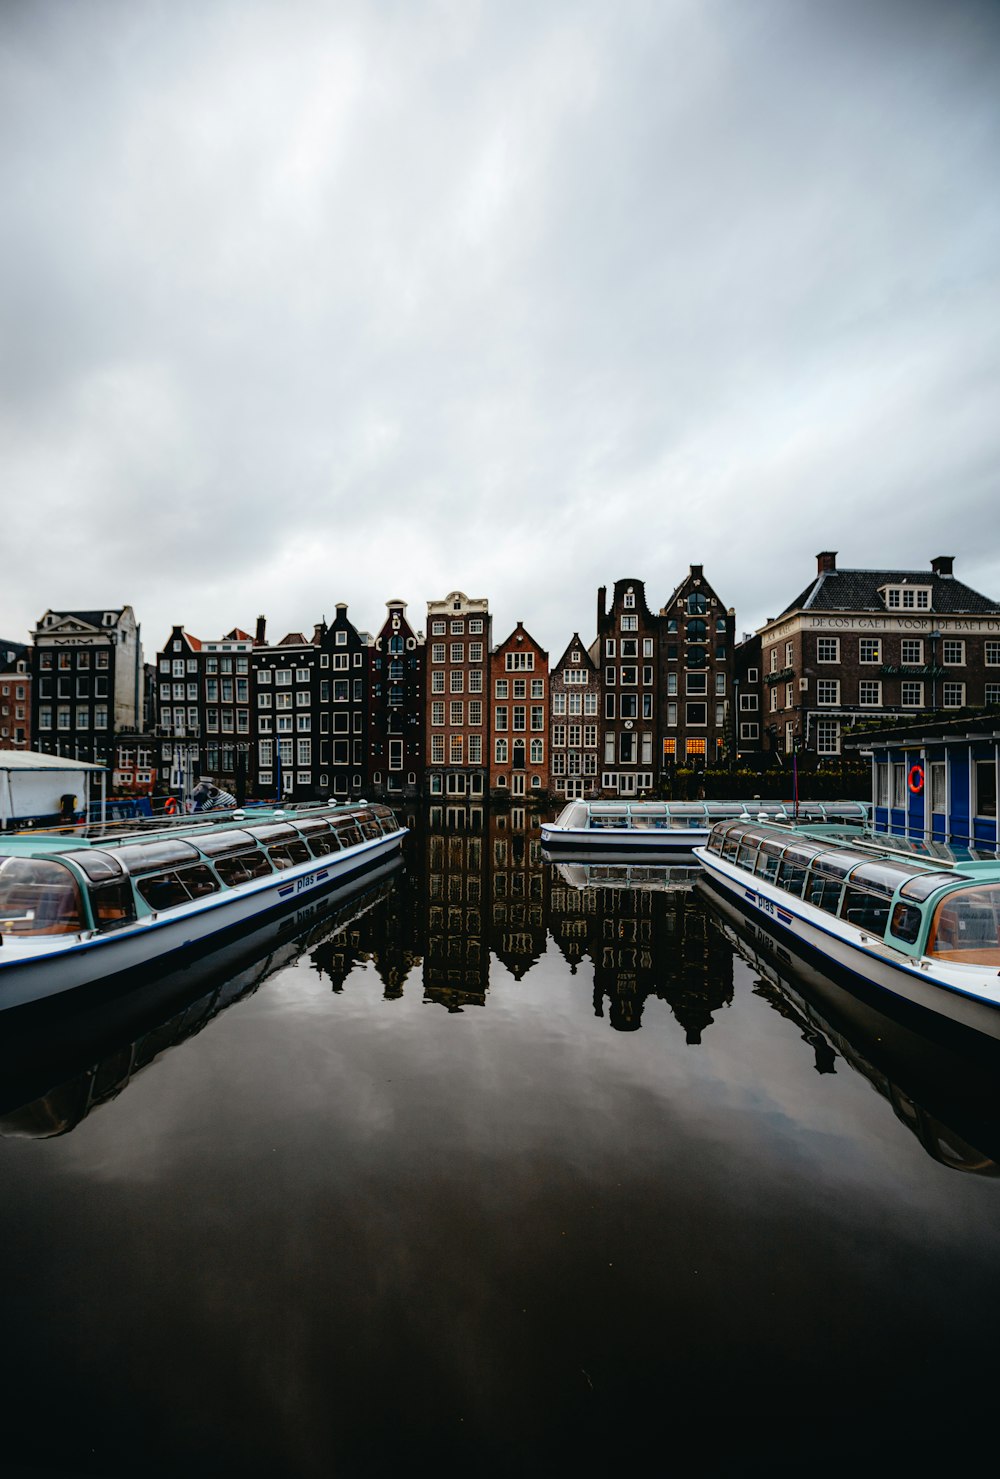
(494, 1173)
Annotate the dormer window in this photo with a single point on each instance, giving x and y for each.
(907, 597)
(109, 618)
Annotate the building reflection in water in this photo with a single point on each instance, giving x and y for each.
(476, 887)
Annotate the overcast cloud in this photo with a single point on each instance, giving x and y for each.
(304, 303)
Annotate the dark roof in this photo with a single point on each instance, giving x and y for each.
(972, 722)
(576, 642)
(859, 590)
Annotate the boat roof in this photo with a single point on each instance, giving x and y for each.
(753, 807)
(35, 760)
(124, 834)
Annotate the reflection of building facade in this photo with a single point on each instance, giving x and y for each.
(456, 962)
(644, 943)
(517, 890)
(457, 727)
(575, 722)
(519, 695)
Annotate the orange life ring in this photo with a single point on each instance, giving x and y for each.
(915, 779)
(170, 807)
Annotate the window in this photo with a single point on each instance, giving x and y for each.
(993, 654)
(476, 625)
(457, 681)
(774, 659)
(907, 597)
(953, 695)
(827, 692)
(437, 748)
(475, 651)
(457, 652)
(720, 683)
(456, 712)
(438, 628)
(283, 677)
(476, 680)
(475, 711)
(992, 695)
(500, 717)
(789, 695)
(912, 695)
(629, 601)
(630, 623)
(788, 654)
(437, 652)
(749, 730)
(456, 750)
(537, 752)
(519, 662)
(912, 651)
(870, 649)
(696, 714)
(437, 681)
(827, 737)
(748, 701)
(458, 627)
(869, 693)
(500, 751)
(437, 711)
(953, 652)
(986, 788)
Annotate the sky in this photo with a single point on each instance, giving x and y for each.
(305, 303)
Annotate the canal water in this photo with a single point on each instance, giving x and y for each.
(499, 1167)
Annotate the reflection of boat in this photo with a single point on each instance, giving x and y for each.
(674, 826)
(75, 911)
(59, 1064)
(659, 877)
(925, 931)
(947, 1098)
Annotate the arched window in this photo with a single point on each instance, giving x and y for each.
(697, 603)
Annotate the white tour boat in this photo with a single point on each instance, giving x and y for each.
(925, 929)
(77, 911)
(675, 826)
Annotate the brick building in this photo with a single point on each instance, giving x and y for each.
(696, 674)
(344, 678)
(626, 651)
(87, 681)
(519, 695)
(15, 696)
(203, 708)
(864, 644)
(285, 679)
(396, 707)
(575, 709)
(457, 713)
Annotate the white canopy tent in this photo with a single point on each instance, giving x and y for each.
(33, 785)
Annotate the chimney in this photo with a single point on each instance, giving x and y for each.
(826, 562)
(261, 628)
(696, 572)
(318, 633)
(942, 564)
(601, 598)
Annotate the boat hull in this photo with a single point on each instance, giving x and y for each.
(950, 993)
(161, 942)
(587, 841)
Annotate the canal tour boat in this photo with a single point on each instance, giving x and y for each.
(77, 911)
(926, 930)
(675, 826)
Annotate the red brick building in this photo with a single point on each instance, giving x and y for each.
(519, 697)
(15, 696)
(457, 713)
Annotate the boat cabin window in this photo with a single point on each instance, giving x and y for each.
(966, 926)
(112, 905)
(287, 854)
(573, 816)
(274, 832)
(866, 909)
(905, 923)
(347, 830)
(178, 886)
(97, 866)
(768, 858)
(609, 820)
(823, 890)
(370, 828)
(746, 856)
(794, 869)
(39, 897)
(321, 844)
(144, 857)
(922, 885)
(219, 844)
(240, 867)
